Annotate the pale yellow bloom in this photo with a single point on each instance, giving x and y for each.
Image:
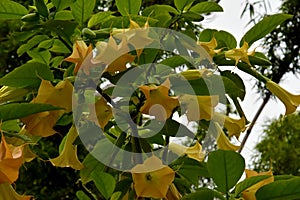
(210, 46)
(240, 54)
(8, 93)
(222, 140)
(195, 152)
(194, 74)
(290, 101)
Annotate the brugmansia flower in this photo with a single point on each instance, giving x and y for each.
(199, 107)
(194, 74)
(158, 102)
(240, 54)
(41, 124)
(222, 140)
(152, 178)
(7, 192)
(210, 46)
(249, 193)
(100, 113)
(290, 101)
(79, 54)
(68, 156)
(234, 126)
(8, 93)
(195, 152)
(10, 161)
(113, 54)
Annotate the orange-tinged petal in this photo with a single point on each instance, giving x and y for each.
(222, 140)
(199, 107)
(249, 193)
(7, 192)
(290, 101)
(10, 161)
(158, 102)
(68, 156)
(152, 179)
(79, 54)
(101, 113)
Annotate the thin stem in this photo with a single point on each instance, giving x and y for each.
(264, 103)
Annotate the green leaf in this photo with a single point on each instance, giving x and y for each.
(127, 7)
(203, 193)
(27, 75)
(56, 61)
(11, 10)
(40, 56)
(34, 41)
(81, 195)
(174, 61)
(82, 10)
(99, 18)
(64, 15)
(90, 164)
(191, 170)
(282, 189)
(248, 182)
(19, 110)
(59, 47)
(264, 27)
(259, 59)
(206, 7)
(224, 39)
(181, 4)
(46, 44)
(104, 182)
(62, 4)
(11, 126)
(226, 168)
(234, 85)
(41, 7)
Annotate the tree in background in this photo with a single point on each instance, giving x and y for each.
(279, 148)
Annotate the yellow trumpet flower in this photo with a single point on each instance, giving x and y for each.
(152, 178)
(222, 140)
(240, 54)
(210, 46)
(290, 101)
(195, 152)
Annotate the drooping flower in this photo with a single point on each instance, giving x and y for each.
(7, 192)
(68, 156)
(158, 102)
(210, 46)
(222, 140)
(10, 161)
(240, 54)
(173, 193)
(249, 193)
(8, 93)
(199, 107)
(195, 152)
(290, 101)
(41, 124)
(152, 178)
(101, 113)
(234, 126)
(79, 54)
(116, 56)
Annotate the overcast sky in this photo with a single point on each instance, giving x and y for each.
(230, 21)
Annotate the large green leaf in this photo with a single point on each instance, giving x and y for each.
(62, 4)
(41, 7)
(32, 42)
(234, 85)
(206, 7)
(40, 56)
(90, 164)
(11, 10)
(27, 75)
(224, 39)
(248, 182)
(104, 182)
(282, 189)
(203, 193)
(99, 18)
(82, 10)
(264, 27)
(127, 7)
(81, 195)
(226, 168)
(181, 4)
(19, 110)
